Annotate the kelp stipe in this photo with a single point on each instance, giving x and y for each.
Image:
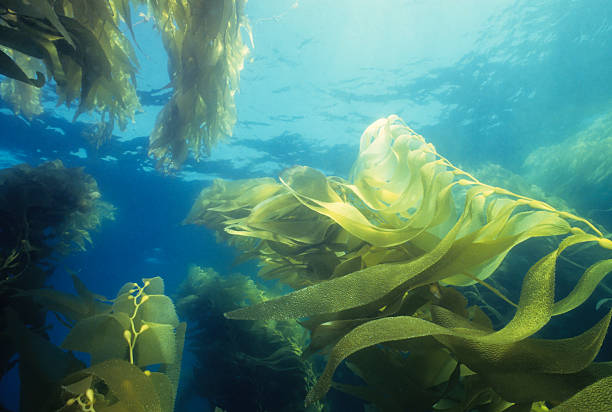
(369, 258)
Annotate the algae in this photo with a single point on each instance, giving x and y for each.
(381, 261)
(91, 60)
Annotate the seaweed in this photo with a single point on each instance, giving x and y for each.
(93, 61)
(46, 212)
(400, 241)
(139, 328)
(261, 361)
(578, 168)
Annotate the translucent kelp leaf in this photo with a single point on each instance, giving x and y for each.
(173, 370)
(101, 336)
(164, 390)
(555, 388)
(585, 287)
(155, 286)
(155, 345)
(158, 309)
(126, 289)
(134, 390)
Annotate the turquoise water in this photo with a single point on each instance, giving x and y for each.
(489, 83)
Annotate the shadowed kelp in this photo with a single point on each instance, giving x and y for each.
(260, 360)
(367, 256)
(46, 213)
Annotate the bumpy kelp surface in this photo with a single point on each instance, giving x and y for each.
(80, 46)
(380, 262)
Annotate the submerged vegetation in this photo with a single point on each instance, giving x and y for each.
(579, 168)
(91, 60)
(139, 328)
(380, 263)
(46, 212)
(260, 360)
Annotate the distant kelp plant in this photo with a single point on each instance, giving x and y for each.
(137, 329)
(380, 263)
(91, 60)
(46, 212)
(579, 168)
(240, 366)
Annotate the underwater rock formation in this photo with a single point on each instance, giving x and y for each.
(93, 61)
(380, 263)
(241, 366)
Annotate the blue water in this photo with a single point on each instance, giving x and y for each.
(484, 81)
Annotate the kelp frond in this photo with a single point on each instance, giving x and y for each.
(93, 61)
(360, 251)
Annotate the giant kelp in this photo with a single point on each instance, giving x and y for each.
(93, 61)
(368, 256)
(46, 212)
(206, 55)
(258, 360)
(139, 328)
(578, 168)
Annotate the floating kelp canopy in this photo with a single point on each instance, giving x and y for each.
(379, 262)
(93, 61)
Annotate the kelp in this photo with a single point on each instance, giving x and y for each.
(46, 212)
(23, 98)
(82, 49)
(260, 360)
(206, 55)
(137, 329)
(93, 61)
(369, 257)
(578, 168)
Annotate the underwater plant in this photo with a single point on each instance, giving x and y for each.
(379, 263)
(91, 60)
(139, 328)
(246, 366)
(579, 168)
(46, 212)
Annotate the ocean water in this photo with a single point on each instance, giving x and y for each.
(517, 92)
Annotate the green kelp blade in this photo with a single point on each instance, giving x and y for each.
(10, 69)
(568, 355)
(476, 345)
(39, 9)
(521, 387)
(534, 311)
(584, 288)
(595, 397)
(346, 292)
